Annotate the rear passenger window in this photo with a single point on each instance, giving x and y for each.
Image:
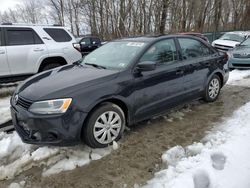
(85, 41)
(96, 41)
(22, 37)
(192, 48)
(59, 35)
(162, 52)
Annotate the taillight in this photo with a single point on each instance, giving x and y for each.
(77, 46)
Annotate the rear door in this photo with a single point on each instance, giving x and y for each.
(24, 48)
(161, 88)
(4, 66)
(197, 59)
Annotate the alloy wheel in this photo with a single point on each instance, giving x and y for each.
(214, 88)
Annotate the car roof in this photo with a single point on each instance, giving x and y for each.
(152, 38)
(31, 26)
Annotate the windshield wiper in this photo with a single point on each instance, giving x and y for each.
(77, 63)
(95, 65)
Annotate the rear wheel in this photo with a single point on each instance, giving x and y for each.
(105, 125)
(213, 89)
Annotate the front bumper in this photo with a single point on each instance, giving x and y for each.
(58, 130)
(238, 63)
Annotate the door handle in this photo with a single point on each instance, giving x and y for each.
(179, 72)
(38, 50)
(2, 52)
(207, 63)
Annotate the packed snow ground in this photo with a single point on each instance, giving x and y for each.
(221, 160)
(16, 157)
(5, 110)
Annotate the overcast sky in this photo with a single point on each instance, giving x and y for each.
(6, 4)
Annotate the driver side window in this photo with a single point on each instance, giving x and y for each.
(162, 52)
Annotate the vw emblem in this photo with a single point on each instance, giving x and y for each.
(16, 98)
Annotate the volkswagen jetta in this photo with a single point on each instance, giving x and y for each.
(117, 85)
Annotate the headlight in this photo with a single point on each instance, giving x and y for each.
(57, 106)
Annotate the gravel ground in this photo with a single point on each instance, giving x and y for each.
(139, 155)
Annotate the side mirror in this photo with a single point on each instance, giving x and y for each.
(146, 66)
(237, 45)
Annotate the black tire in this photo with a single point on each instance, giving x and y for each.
(207, 96)
(51, 66)
(89, 128)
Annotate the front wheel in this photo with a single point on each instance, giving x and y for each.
(213, 88)
(105, 125)
(50, 66)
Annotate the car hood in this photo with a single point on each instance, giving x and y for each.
(226, 42)
(63, 81)
(241, 50)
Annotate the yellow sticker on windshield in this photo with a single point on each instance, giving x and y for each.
(135, 44)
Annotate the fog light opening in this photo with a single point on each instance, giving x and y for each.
(37, 136)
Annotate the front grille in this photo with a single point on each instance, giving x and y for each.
(243, 56)
(23, 103)
(222, 47)
(241, 65)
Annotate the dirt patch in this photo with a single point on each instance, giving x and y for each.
(139, 155)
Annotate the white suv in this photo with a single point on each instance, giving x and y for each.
(27, 50)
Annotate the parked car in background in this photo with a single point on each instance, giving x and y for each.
(196, 35)
(120, 83)
(239, 57)
(89, 44)
(29, 49)
(230, 40)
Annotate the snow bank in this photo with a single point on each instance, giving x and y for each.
(221, 160)
(239, 77)
(16, 157)
(5, 110)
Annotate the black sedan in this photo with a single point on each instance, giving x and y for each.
(117, 85)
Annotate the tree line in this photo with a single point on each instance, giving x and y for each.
(110, 19)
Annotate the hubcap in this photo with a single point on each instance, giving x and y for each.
(214, 88)
(107, 127)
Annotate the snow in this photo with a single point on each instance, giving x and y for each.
(17, 185)
(220, 160)
(239, 77)
(5, 110)
(16, 157)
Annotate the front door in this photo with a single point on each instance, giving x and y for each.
(159, 89)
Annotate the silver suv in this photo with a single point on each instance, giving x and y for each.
(29, 49)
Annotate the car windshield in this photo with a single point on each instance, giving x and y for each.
(246, 42)
(233, 37)
(114, 55)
